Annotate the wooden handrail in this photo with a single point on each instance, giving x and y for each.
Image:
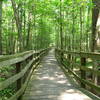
(95, 71)
(14, 78)
(17, 59)
(22, 89)
(84, 55)
(97, 88)
(13, 59)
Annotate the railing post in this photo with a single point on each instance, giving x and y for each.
(19, 81)
(83, 73)
(25, 76)
(31, 57)
(61, 55)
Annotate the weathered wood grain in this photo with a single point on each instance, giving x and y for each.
(13, 59)
(14, 78)
(21, 91)
(20, 73)
(50, 83)
(91, 55)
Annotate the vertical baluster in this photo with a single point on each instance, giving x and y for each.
(19, 81)
(83, 73)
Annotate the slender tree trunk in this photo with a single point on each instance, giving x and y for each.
(24, 42)
(34, 38)
(28, 35)
(61, 29)
(0, 27)
(61, 25)
(18, 18)
(95, 14)
(73, 30)
(81, 29)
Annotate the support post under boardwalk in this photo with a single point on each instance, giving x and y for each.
(19, 81)
(83, 73)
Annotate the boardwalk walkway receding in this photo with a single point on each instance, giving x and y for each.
(48, 82)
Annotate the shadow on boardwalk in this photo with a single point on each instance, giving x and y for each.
(48, 82)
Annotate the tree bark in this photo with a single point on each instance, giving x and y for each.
(0, 27)
(18, 19)
(95, 14)
(61, 29)
(29, 29)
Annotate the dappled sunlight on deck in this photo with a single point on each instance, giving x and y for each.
(48, 82)
(73, 95)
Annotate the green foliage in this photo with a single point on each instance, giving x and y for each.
(8, 92)
(36, 24)
(6, 72)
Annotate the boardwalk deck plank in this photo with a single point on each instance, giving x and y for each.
(48, 82)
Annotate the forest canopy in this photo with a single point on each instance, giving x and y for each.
(69, 24)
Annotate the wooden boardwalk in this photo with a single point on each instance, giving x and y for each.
(48, 82)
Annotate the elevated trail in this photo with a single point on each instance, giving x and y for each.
(48, 82)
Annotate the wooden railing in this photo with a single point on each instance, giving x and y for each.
(22, 76)
(82, 78)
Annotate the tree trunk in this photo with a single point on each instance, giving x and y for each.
(18, 19)
(0, 27)
(95, 14)
(61, 29)
(29, 28)
(81, 28)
